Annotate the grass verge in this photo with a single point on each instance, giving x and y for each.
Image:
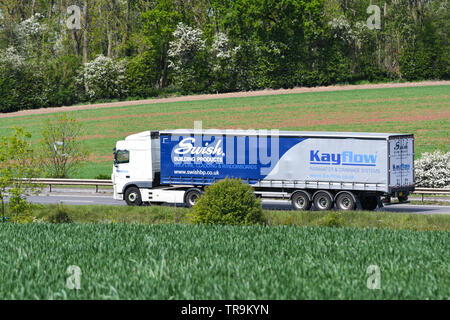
(169, 215)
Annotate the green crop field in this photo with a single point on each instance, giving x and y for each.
(423, 111)
(133, 261)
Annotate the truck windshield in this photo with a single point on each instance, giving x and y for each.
(121, 156)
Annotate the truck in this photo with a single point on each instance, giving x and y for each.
(320, 170)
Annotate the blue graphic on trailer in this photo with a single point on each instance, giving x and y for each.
(203, 159)
(348, 158)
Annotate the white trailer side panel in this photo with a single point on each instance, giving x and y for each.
(355, 164)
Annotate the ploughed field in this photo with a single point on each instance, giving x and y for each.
(133, 261)
(423, 111)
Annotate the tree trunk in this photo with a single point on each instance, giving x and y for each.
(50, 9)
(33, 7)
(76, 42)
(163, 81)
(85, 32)
(109, 35)
(127, 29)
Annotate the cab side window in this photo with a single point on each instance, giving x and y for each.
(122, 156)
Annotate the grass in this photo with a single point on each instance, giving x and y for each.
(131, 261)
(422, 111)
(170, 215)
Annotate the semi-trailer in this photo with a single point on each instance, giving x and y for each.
(349, 170)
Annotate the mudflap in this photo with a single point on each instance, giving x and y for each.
(379, 202)
(358, 204)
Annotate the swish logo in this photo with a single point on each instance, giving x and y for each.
(186, 146)
(346, 158)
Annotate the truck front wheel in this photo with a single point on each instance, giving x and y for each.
(191, 197)
(133, 196)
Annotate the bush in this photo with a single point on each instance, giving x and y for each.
(333, 219)
(21, 88)
(142, 76)
(432, 170)
(60, 75)
(229, 201)
(102, 78)
(61, 215)
(103, 176)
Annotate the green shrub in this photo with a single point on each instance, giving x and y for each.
(229, 201)
(333, 219)
(142, 76)
(102, 176)
(60, 215)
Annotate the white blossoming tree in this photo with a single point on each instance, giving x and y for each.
(432, 170)
(187, 58)
(103, 78)
(223, 56)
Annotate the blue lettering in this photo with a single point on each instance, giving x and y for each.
(325, 157)
(370, 158)
(358, 158)
(314, 156)
(336, 158)
(347, 158)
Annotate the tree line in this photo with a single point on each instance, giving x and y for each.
(61, 52)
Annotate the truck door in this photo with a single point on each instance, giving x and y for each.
(121, 171)
(401, 162)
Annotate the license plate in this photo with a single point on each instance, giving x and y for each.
(400, 194)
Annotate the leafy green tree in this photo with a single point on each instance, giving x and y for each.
(62, 150)
(229, 201)
(18, 166)
(158, 26)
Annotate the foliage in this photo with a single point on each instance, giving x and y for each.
(432, 170)
(18, 165)
(103, 177)
(141, 76)
(137, 48)
(182, 262)
(60, 215)
(187, 54)
(103, 78)
(229, 201)
(62, 150)
(333, 219)
(172, 214)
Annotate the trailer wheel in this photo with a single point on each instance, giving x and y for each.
(300, 201)
(191, 197)
(323, 201)
(369, 203)
(133, 196)
(345, 201)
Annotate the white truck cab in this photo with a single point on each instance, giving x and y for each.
(135, 163)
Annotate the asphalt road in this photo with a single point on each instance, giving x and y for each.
(106, 199)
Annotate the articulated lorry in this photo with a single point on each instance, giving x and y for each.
(349, 170)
